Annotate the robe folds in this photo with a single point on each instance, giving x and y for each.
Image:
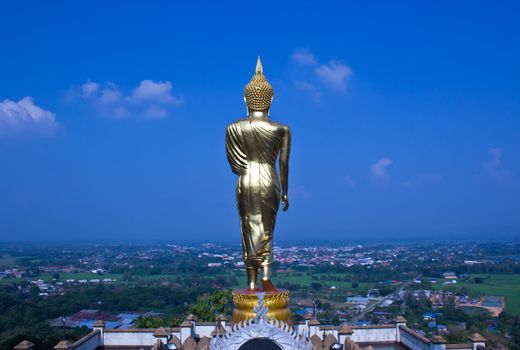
(252, 147)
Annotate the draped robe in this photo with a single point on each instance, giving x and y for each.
(252, 147)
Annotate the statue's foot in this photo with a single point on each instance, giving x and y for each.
(268, 286)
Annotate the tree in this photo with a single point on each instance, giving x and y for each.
(156, 322)
(208, 307)
(455, 334)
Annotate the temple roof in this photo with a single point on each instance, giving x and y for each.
(160, 332)
(24, 345)
(399, 319)
(99, 323)
(63, 345)
(345, 329)
(476, 337)
(186, 323)
(437, 339)
(314, 322)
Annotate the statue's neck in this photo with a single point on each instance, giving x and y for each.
(259, 114)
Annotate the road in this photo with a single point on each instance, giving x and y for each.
(361, 315)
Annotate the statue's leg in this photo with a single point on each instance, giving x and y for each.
(252, 273)
(267, 265)
(267, 285)
(266, 273)
(270, 203)
(267, 261)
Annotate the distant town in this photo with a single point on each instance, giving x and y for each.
(451, 289)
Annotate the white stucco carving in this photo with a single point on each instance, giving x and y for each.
(260, 327)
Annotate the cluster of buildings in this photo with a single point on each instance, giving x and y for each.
(47, 289)
(347, 256)
(14, 273)
(107, 258)
(332, 256)
(57, 287)
(306, 256)
(58, 268)
(88, 317)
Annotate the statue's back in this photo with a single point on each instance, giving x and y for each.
(252, 140)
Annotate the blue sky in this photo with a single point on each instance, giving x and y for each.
(405, 118)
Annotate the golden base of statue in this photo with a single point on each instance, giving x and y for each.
(277, 302)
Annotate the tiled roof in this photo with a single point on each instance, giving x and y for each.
(24, 345)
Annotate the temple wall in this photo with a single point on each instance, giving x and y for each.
(129, 337)
(374, 334)
(299, 328)
(468, 346)
(204, 330)
(89, 342)
(413, 341)
(383, 334)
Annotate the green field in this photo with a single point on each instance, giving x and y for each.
(306, 280)
(7, 260)
(341, 281)
(506, 285)
(302, 279)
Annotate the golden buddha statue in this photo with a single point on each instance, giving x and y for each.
(252, 146)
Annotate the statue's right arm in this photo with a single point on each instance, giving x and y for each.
(285, 151)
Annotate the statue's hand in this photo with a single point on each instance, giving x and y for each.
(285, 202)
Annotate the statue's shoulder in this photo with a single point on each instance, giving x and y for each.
(237, 122)
(281, 126)
(267, 124)
(235, 125)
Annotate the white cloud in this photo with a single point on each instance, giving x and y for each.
(89, 89)
(379, 168)
(110, 94)
(155, 112)
(150, 99)
(493, 166)
(304, 57)
(309, 88)
(119, 112)
(334, 74)
(150, 91)
(26, 117)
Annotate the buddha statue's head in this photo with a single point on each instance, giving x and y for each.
(258, 93)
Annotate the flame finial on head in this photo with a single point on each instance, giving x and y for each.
(258, 93)
(259, 69)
